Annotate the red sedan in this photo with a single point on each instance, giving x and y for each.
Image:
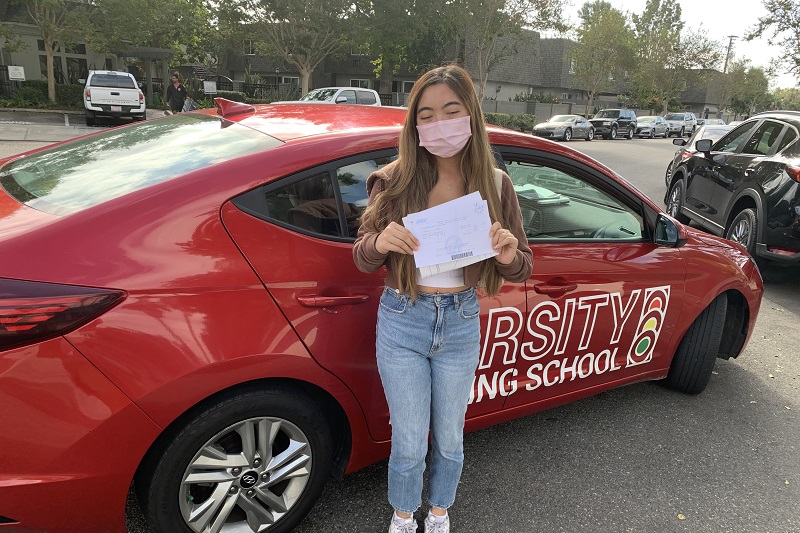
(179, 310)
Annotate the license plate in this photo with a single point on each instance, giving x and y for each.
(116, 108)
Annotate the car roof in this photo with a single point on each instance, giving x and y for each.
(296, 120)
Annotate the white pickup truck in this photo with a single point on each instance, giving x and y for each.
(109, 93)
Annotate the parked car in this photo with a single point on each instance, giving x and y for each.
(735, 122)
(714, 122)
(340, 95)
(652, 126)
(613, 122)
(688, 147)
(681, 124)
(112, 94)
(180, 308)
(565, 127)
(746, 186)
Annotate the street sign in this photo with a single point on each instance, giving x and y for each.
(16, 73)
(210, 87)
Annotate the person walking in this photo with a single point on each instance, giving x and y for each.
(428, 328)
(176, 94)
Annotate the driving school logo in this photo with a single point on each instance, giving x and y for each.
(559, 334)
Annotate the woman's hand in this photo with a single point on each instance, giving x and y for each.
(504, 242)
(396, 238)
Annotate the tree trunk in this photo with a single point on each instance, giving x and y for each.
(305, 78)
(385, 81)
(51, 76)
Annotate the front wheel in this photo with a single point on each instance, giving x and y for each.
(567, 134)
(694, 360)
(253, 461)
(675, 202)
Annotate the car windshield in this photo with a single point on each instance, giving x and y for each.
(319, 95)
(115, 81)
(561, 118)
(607, 113)
(86, 172)
(646, 119)
(674, 116)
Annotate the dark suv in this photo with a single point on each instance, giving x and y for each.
(613, 122)
(746, 187)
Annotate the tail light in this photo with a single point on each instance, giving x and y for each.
(88, 94)
(141, 97)
(32, 312)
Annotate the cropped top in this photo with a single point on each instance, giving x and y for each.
(368, 259)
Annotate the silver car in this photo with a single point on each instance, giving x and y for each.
(682, 123)
(652, 126)
(565, 128)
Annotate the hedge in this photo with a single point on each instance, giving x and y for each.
(523, 122)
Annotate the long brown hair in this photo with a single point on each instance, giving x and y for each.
(414, 174)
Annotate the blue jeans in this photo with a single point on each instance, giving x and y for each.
(427, 354)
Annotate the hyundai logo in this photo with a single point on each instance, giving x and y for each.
(248, 479)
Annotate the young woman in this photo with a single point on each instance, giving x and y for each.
(428, 330)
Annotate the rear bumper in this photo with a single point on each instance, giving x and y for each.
(71, 442)
(102, 110)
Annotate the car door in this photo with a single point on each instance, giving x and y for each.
(736, 170)
(297, 233)
(704, 174)
(581, 127)
(602, 300)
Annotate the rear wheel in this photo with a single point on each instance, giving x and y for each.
(631, 133)
(90, 118)
(567, 134)
(744, 230)
(694, 360)
(613, 134)
(255, 460)
(590, 134)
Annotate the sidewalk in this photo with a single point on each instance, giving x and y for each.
(48, 125)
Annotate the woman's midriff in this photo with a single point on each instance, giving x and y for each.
(434, 290)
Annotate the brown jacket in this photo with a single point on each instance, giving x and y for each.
(368, 259)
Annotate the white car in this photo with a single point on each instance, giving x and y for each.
(340, 95)
(109, 93)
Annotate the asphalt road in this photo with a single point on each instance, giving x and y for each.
(640, 459)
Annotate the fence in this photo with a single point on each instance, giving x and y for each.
(7, 87)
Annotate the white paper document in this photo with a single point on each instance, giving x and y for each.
(451, 235)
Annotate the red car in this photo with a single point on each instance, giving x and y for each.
(180, 311)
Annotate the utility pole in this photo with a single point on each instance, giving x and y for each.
(731, 38)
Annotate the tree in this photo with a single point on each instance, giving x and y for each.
(782, 26)
(304, 32)
(56, 25)
(787, 99)
(751, 91)
(603, 47)
(486, 22)
(227, 31)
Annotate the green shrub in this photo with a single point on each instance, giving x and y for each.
(522, 122)
(69, 95)
(236, 96)
(29, 97)
(39, 86)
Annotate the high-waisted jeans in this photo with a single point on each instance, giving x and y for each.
(427, 354)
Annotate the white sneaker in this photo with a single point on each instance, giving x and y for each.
(432, 526)
(403, 525)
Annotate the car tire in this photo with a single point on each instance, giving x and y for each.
(697, 352)
(652, 134)
(744, 229)
(568, 134)
(681, 133)
(631, 133)
(215, 439)
(675, 202)
(613, 134)
(668, 174)
(90, 118)
(590, 134)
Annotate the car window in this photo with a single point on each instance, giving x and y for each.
(88, 171)
(556, 205)
(350, 95)
(731, 141)
(789, 136)
(608, 113)
(763, 139)
(319, 95)
(114, 81)
(366, 98)
(327, 201)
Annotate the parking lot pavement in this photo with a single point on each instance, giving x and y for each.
(48, 126)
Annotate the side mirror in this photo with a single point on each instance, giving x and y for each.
(669, 233)
(82, 81)
(703, 145)
(341, 100)
(679, 142)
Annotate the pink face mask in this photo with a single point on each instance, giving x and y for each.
(445, 138)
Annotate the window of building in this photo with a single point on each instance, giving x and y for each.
(291, 80)
(78, 48)
(40, 44)
(76, 69)
(249, 48)
(58, 68)
(361, 84)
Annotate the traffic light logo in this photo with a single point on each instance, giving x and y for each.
(653, 312)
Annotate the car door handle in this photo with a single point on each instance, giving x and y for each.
(748, 171)
(331, 301)
(556, 286)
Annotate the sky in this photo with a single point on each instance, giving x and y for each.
(719, 19)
